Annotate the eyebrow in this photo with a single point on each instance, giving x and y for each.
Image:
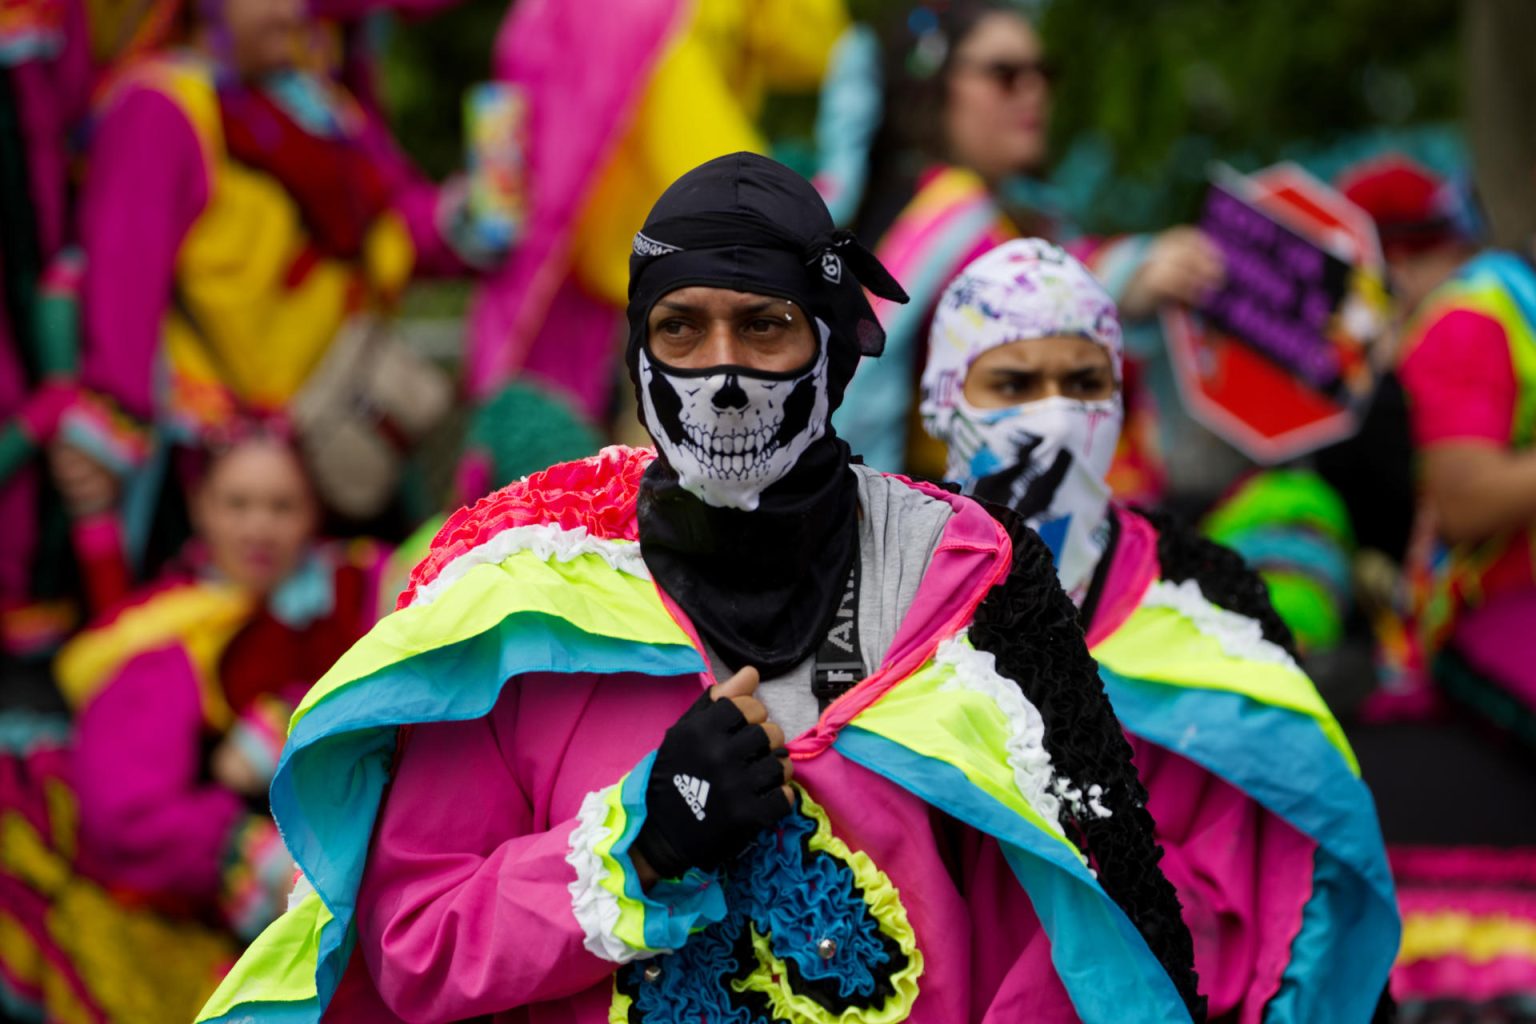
(1073, 371)
(747, 310)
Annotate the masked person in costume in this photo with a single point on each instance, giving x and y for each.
(924, 811)
(1269, 835)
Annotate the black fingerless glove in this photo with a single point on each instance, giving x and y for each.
(714, 786)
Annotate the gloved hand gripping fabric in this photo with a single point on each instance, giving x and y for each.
(714, 786)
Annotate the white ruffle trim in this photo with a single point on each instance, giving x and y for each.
(1238, 635)
(596, 909)
(302, 887)
(1074, 797)
(547, 540)
(1031, 763)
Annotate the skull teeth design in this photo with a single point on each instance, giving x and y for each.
(730, 434)
(731, 454)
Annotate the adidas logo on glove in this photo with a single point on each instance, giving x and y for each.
(695, 792)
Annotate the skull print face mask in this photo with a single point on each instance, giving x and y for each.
(730, 432)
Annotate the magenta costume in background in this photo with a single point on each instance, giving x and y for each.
(119, 839)
(1468, 367)
(46, 69)
(137, 207)
(156, 823)
(531, 315)
(222, 263)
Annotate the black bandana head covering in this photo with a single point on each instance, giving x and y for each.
(760, 576)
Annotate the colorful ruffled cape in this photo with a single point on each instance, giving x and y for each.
(546, 576)
(1205, 682)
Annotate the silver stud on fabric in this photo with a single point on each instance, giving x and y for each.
(826, 949)
(653, 972)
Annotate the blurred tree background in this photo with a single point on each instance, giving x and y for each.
(426, 67)
(1151, 91)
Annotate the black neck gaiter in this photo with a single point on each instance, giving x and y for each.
(760, 586)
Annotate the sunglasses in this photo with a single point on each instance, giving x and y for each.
(1009, 73)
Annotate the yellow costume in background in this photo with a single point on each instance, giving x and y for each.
(702, 102)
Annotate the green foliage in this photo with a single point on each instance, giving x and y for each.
(1165, 86)
(1151, 91)
(1249, 76)
(426, 65)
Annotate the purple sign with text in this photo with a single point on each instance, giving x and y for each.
(1281, 290)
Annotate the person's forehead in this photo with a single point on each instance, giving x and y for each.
(1055, 351)
(255, 469)
(711, 299)
(1001, 34)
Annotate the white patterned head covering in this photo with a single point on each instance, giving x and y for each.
(1027, 288)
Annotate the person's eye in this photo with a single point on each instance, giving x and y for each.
(1086, 385)
(1014, 387)
(673, 328)
(764, 326)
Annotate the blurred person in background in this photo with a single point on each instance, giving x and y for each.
(939, 175)
(1268, 834)
(1429, 227)
(1467, 362)
(45, 79)
(221, 263)
(1455, 610)
(54, 54)
(182, 697)
(621, 100)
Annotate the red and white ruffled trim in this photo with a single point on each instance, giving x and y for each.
(582, 507)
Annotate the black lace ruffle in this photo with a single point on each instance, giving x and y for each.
(1224, 578)
(1030, 626)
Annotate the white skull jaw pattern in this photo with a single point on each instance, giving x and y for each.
(730, 435)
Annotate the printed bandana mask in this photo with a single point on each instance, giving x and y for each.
(1047, 460)
(729, 432)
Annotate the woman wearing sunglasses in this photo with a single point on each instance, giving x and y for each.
(928, 135)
